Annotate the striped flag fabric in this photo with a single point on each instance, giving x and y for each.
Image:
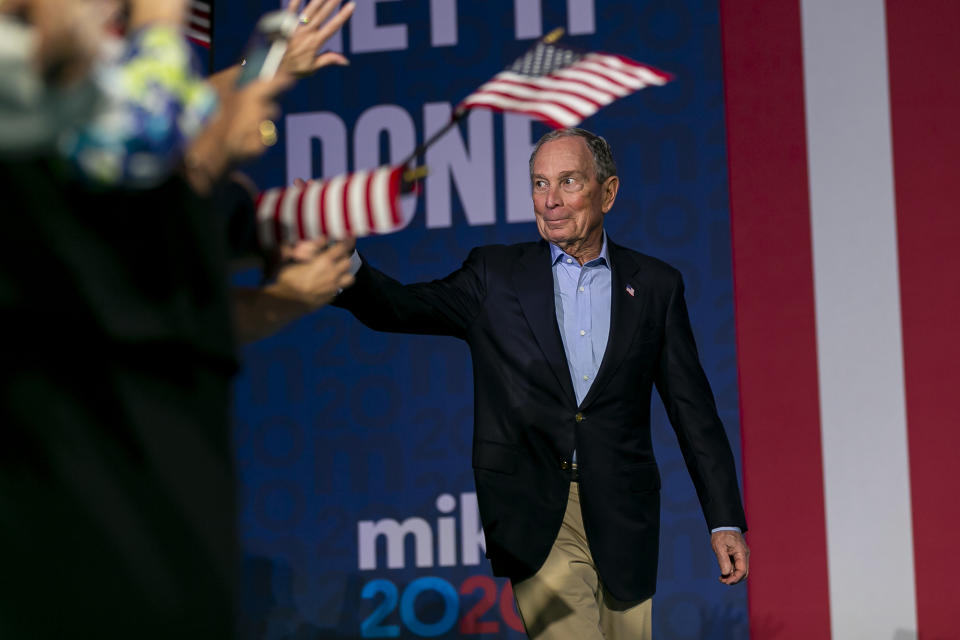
(562, 87)
(199, 26)
(355, 204)
(844, 183)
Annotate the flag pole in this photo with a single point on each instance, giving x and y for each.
(457, 117)
(460, 112)
(410, 177)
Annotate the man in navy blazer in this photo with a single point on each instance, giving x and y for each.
(568, 335)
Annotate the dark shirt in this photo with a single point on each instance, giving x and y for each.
(117, 492)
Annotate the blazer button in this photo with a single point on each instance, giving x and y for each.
(578, 417)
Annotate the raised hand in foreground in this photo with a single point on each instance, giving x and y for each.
(302, 57)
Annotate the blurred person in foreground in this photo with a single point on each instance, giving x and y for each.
(568, 336)
(117, 490)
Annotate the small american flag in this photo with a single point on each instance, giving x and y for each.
(563, 87)
(199, 25)
(630, 290)
(356, 204)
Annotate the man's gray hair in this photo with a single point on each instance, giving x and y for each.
(603, 162)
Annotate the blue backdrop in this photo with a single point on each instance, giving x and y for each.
(353, 448)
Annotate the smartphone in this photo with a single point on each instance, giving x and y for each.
(267, 46)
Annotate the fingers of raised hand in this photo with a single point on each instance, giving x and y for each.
(328, 58)
(314, 31)
(314, 13)
(319, 10)
(331, 26)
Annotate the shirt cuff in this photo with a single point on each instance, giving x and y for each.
(737, 529)
(355, 262)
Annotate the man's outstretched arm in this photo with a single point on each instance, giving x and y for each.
(441, 307)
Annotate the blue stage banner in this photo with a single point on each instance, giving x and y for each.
(359, 517)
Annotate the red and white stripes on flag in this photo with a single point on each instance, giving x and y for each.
(355, 204)
(561, 87)
(844, 181)
(199, 26)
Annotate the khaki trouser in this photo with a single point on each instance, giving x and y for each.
(565, 599)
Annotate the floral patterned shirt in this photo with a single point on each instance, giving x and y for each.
(154, 103)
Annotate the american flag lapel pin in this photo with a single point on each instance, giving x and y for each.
(630, 290)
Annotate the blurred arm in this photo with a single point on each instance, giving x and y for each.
(301, 287)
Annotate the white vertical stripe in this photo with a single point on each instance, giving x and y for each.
(265, 231)
(333, 212)
(288, 215)
(380, 201)
(357, 204)
(859, 342)
(311, 210)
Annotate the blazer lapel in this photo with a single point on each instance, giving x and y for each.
(533, 280)
(626, 311)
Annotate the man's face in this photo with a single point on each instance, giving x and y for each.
(568, 200)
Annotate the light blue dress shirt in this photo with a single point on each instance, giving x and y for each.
(582, 298)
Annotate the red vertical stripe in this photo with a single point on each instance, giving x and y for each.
(368, 202)
(322, 209)
(346, 203)
(776, 332)
(925, 104)
(394, 185)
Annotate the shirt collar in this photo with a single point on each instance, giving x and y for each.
(556, 253)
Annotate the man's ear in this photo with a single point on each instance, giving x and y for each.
(609, 187)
